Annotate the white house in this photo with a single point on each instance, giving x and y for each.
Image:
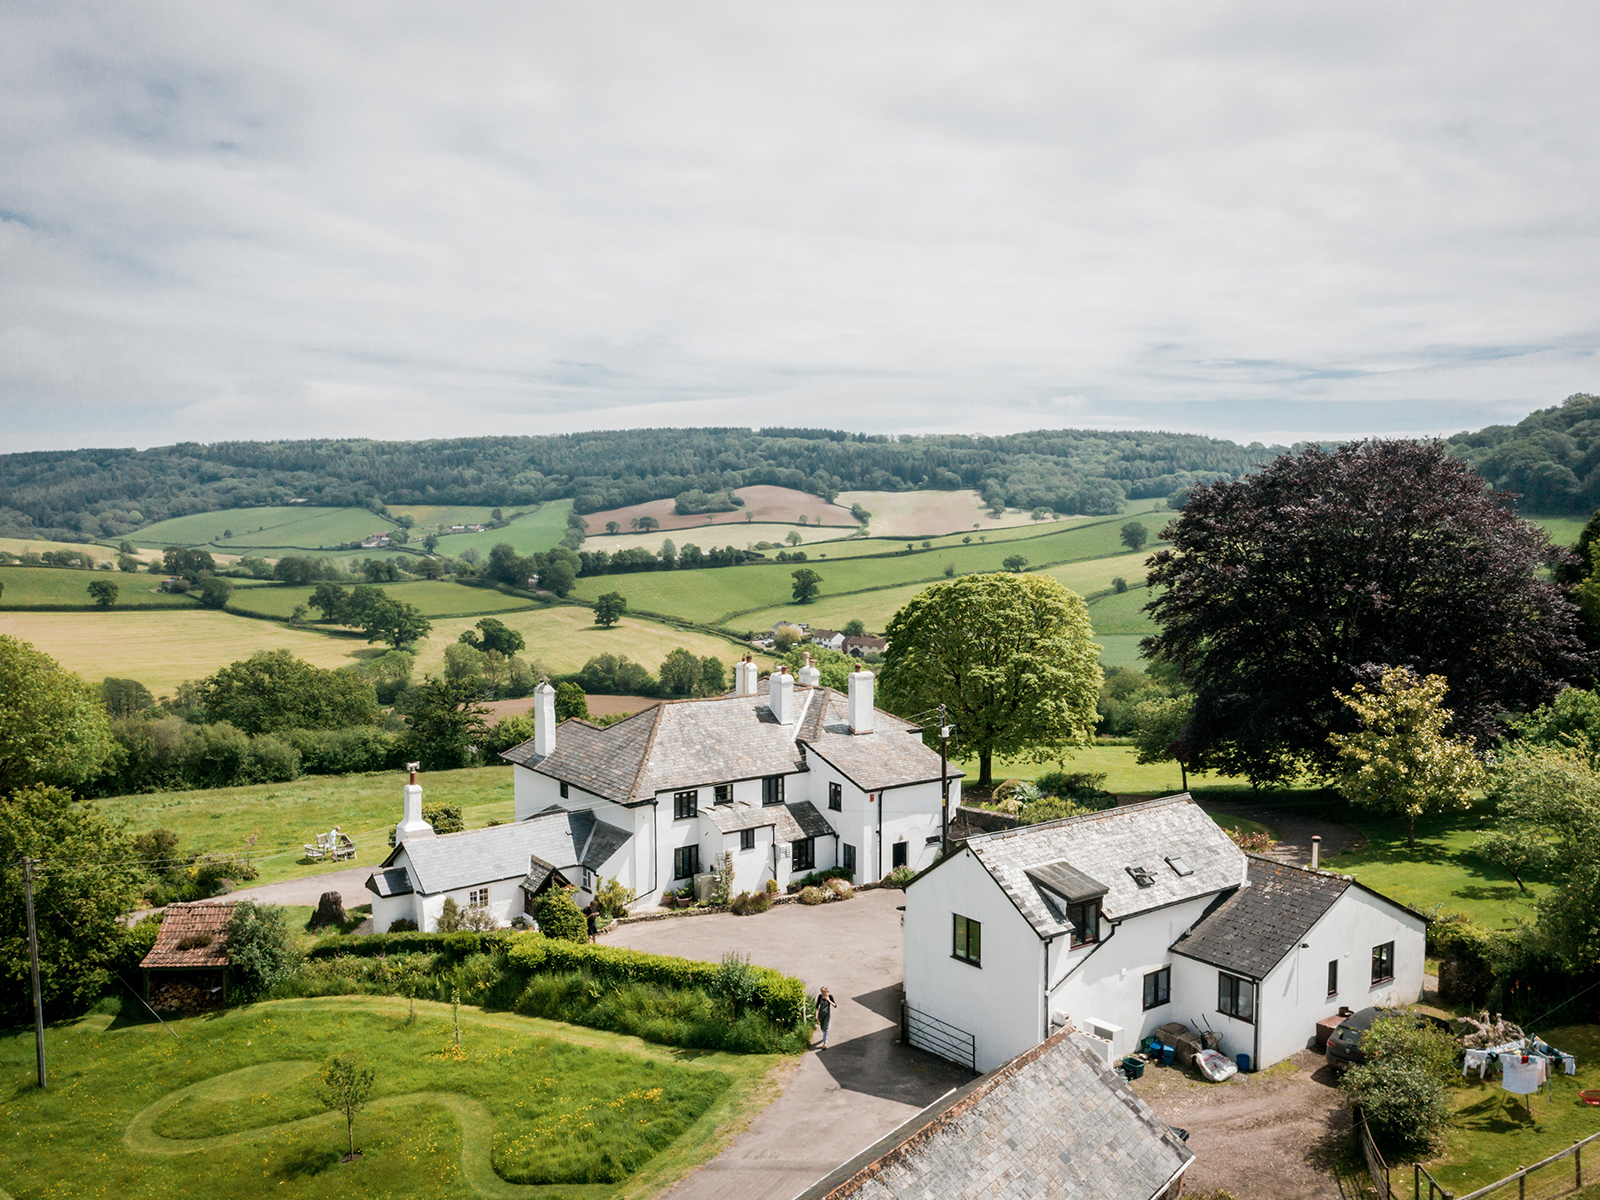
(499, 869)
(1124, 920)
(831, 638)
(789, 776)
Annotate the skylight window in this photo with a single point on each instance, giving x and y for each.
(1142, 877)
(1179, 867)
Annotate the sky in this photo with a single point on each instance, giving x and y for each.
(1258, 221)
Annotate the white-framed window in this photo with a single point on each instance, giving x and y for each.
(478, 898)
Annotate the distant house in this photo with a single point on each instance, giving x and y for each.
(374, 540)
(475, 528)
(187, 968)
(831, 638)
(1122, 921)
(800, 625)
(858, 646)
(1055, 1121)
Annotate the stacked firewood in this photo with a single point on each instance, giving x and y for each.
(178, 997)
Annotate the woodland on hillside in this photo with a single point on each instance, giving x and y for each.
(1551, 458)
(86, 494)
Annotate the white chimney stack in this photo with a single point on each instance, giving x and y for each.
(544, 719)
(748, 684)
(1316, 851)
(861, 709)
(413, 826)
(810, 676)
(780, 699)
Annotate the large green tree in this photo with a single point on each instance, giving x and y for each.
(53, 728)
(272, 690)
(445, 719)
(1301, 580)
(494, 634)
(1011, 658)
(86, 882)
(608, 609)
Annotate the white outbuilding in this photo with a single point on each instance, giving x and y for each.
(1125, 920)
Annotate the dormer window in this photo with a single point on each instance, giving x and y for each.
(1179, 867)
(1085, 922)
(1142, 877)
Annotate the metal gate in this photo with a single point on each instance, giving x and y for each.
(927, 1032)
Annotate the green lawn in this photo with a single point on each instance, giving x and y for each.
(56, 587)
(436, 598)
(286, 528)
(1563, 531)
(538, 530)
(227, 1107)
(1492, 1133)
(287, 816)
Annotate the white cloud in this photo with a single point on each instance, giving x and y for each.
(1257, 221)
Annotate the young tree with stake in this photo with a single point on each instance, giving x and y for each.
(345, 1086)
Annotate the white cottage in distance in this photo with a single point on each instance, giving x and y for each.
(1124, 920)
(789, 776)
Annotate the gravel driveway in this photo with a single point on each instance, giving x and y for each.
(839, 1101)
(1265, 1137)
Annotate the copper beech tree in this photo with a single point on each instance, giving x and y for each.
(1288, 586)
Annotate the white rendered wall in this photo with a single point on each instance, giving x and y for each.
(1002, 1002)
(505, 903)
(1107, 983)
(1294, 996)
(386, 910)
(1194, 995)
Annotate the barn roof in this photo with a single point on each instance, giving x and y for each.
(203, 924)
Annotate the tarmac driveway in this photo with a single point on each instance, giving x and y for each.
(839, 1101)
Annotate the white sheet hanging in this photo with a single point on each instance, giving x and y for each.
(1521, 1077)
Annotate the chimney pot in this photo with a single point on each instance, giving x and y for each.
(860, 701)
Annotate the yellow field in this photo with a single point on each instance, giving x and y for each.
(924, 514)
(744, 534)
(163, 649)
(39, 546)
(562, 639)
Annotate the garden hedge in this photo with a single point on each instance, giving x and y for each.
(782, 997)
(371, 945)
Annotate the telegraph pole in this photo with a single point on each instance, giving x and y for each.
(33, 962)
(944, 782)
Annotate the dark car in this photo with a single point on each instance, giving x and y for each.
(1344, 1043)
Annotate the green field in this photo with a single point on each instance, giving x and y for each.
(223, 1105)
(285, 817)
(59, 587)
(561, 639)
(101, 553)
(739, 596)
(429, 517)
(287, 528)
(537, 531)
(1563, 531)
(436, 598)
(1120, 650)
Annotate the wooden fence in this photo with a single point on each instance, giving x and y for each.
(1547, 1179)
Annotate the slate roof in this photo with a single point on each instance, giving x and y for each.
(684, 744)
(790, 822)
(393, 882)
(182, 921)
(1102, 846)
(1053, 1122)
(457, 860)
(1254, 929)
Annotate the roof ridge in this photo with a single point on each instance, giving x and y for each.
(649, 745)
(1083, 818)
(1319, 872)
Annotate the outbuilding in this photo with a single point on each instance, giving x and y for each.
(187, 968)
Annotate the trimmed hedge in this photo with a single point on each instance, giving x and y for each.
(781, 997)
(372, 945)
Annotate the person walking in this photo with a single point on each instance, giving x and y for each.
(825, 1006)
(592, 912)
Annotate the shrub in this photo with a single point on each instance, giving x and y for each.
(772, 887)
(736, 982)
(1254, 843)
(1050, 808)
(899, 877)
(724, 887)
(820, 877)
(403, 925)
(814, 895)
(1086, 787)
(1401, 1088)
(375, 945)
(614, 898)
(840, 888)
(747, 904)
(445, 818)
(259, 949)
(345, 751)
(478, 920)
(449, 917)
(559, 917)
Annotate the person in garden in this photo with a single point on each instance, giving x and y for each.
(825, 1006)
(592, 912)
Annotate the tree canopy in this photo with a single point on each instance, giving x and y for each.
(807, 583)
(272, 690)
(53, 728)
(1287, 586)
(88, 880)
(445, 719)
(1010, 656)
(608, 609)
